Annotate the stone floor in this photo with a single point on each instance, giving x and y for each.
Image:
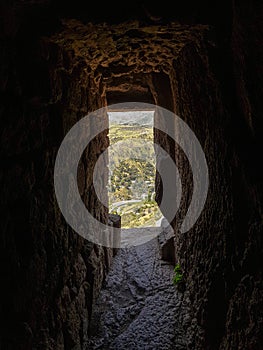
(139, 307)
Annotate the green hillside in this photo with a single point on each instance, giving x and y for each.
(132, 175)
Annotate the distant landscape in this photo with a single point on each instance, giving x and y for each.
(132, 169)
(131, 118)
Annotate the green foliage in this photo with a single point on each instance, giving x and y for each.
(119, 132)
(132, 177)
(178, 276)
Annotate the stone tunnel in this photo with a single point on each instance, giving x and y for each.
(61, 62)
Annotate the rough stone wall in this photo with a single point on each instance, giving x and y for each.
(202, 251)
(50, 274)
(221, 255)
(244, 286)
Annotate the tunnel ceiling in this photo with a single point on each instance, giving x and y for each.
(122, 57)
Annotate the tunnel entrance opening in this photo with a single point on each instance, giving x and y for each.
(132, 168)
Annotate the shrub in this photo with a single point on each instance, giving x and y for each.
(178, 276)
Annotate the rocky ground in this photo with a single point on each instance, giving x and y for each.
(139, 307)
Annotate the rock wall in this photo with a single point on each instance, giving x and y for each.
(51, 276)
(220, 255)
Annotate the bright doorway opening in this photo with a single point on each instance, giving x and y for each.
(132, 168)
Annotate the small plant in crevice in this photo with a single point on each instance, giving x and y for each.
(178, 275)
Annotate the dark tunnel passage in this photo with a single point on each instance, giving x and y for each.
(59, 63)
